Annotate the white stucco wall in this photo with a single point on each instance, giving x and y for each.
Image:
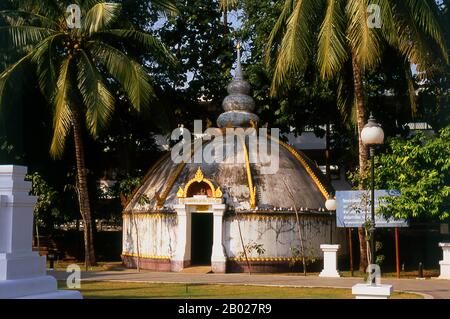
(158, 235)
(278, 235)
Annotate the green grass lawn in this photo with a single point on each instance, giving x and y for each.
(115, 290)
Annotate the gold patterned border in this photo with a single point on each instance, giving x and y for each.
(148, 215)
(259, 259)
(127, 254)
(278, 216)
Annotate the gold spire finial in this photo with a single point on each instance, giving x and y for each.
(238, 46)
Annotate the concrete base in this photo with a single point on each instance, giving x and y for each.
(445, 270)
(445, 262)
(179, 265)
(330, 261)
(43, 287)
(365, 291)
(329, 273)
(219, 267)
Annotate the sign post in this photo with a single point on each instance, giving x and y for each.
(352, 210)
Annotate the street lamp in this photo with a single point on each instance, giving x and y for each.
(330, 205)
(372, 135)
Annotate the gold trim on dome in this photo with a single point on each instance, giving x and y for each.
(305, 165)
(199, 178)
(144, 180)
(251, 188)
(173, 177)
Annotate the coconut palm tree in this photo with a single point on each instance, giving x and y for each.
(75, 67)
(347, 40)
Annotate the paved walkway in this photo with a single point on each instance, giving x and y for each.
(430, 288)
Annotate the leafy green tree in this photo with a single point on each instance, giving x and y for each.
(74, 67)
(419, 168)
(196, 87)
(348, 44)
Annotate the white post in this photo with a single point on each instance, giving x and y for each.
(182, 256)
(22, 271)
(218, 258)
(329, 261)
(365, 291)
(445, 262)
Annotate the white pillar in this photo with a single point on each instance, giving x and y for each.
(329, 261)
(22, 271)
(445, 262)
(218, 258)
(182, 257)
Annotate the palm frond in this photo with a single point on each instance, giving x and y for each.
(166, 6)
(52, 9)
(278, 29)
(45, 66)
(424, 13)
(332, 50)
(101, 16)
(20, 36)
(411, 42)
(62, 118)
(227, 5)
(146, 41)
(295, 46)
(131, 76)
(98, 100)
(20, 17)
(364, 40)
(6, 74)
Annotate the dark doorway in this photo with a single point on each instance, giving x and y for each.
(201, 238)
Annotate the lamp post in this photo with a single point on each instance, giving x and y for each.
(372, 135)
(330, 205)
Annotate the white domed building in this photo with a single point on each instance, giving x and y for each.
(231, 213)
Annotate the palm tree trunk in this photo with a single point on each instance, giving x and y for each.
(225, 20)
(85, 208)
(360, 119)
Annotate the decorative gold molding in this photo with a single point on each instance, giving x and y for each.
(256, 259)
(251, 188)
(278, 216)
(305, 165)
(199, 178)
(144, 180)
(172, 179)
(128, 254)
(148, 215)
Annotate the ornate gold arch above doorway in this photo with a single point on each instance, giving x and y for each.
(199, 178)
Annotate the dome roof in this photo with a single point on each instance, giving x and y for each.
(296, 174)
(297, 184)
